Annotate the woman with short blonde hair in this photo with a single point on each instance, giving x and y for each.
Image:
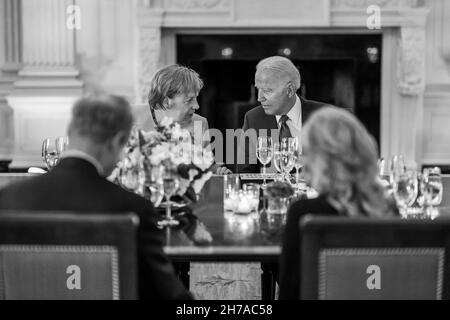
(342, 159)
(341, 164)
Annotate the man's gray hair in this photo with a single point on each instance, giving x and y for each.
(281, 66)
(100, 117)
(170, 81)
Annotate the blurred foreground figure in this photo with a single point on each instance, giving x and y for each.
(99, 128)
(341, 164)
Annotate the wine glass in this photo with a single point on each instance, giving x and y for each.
(385, 174)
(264, 154)
(405, 189)
(298, 160)
(170, 185)
(62, 143)
(154, 184)
(277, 156)
(397, 166)
(49, 153)
(287, 160)
(431, 188)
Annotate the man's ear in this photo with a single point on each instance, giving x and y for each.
(290, 90)
(120, 139)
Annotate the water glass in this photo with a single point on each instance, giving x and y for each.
(277, 157)
(49, 153)
(431, 187)
(287, 160)
(264, 154)
(405, 189)
(154, 184)
(231, 187)
(252, 191)
(170, 184)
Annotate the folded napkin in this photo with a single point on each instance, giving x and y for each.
(36, 170)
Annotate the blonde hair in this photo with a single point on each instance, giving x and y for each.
(170, 81)
(343, 162)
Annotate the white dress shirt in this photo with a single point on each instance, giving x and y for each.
(294, 122)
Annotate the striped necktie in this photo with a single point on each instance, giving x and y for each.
(284, 129)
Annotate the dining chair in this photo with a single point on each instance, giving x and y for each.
(62, 255)
(361, 258)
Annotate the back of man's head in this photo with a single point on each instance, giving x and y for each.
(98, 118)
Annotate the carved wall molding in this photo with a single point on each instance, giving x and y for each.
(411, 61)
(357, 4)
(196, 4)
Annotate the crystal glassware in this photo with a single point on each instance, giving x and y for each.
(405, 189)
(264, 154)
(231, 187)
(251, 191)
(287, 160)
(431, 188)
(299, 160)
(49, 153)
(154, 184)
(62, 143)
(397, 166)
(170, 185)
(277, 157)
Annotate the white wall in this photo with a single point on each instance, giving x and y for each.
(105, 45)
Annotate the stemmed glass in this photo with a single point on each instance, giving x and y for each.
(264, 154)
(287, 160)
(62, 143)
(170, 184)
(405, 189)
(298, 160)
(431, 188)
(397, 166)
(154, 184)
(277, 158)
(49, 153)
(385, 174)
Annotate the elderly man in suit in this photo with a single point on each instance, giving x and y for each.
(99, 128)
(281, 112)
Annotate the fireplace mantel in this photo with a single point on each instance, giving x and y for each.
(403, 26)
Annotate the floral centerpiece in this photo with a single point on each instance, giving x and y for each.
(169, 148)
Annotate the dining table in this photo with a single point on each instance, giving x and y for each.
(208, 233)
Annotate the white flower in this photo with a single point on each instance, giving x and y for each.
(160, 153)
(199, 183)
(202, 158)
(166, 122)
(181, 154)
(152, 137)
(180, 135)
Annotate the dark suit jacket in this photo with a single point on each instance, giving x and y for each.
(290, 257)
(258, 119)
(75, 185)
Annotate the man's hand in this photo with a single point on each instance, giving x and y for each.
(223, 171)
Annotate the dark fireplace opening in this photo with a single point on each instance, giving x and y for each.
(341, 69)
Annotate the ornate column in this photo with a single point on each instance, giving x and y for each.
(10, 27)
(47, 86)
